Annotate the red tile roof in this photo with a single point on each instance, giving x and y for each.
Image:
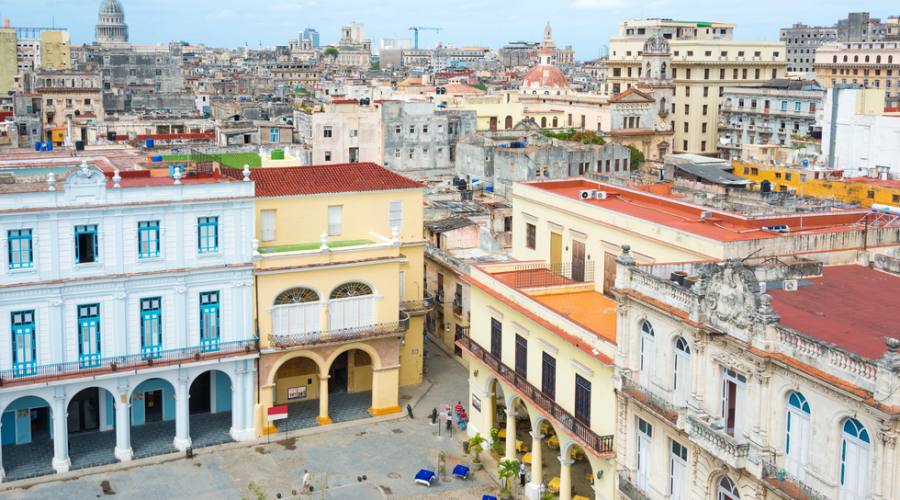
(853, 307)
(321, 179)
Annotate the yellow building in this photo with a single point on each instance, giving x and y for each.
(504, 111)
(862, 191)
(871, 64)
(540, 355)
(55, 50)
(703, 59)
(339, 290)
(8, 60)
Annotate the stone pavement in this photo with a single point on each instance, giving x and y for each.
(375, 458)
(342, 407)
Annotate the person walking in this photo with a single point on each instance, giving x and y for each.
(306, 484)
(522, 475)
(449, 421)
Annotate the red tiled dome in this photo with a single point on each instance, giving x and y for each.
(544, 76)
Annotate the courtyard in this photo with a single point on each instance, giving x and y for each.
(373, 459)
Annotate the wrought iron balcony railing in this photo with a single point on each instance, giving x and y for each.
(418, 307)
(600, 444)
(788, 484)
(542, 274)
(72, 369)
(374, 330)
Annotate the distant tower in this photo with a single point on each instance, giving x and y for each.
(548, 37)
(111, 27)
(656, 71)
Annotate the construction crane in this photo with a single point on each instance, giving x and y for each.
(415, 30)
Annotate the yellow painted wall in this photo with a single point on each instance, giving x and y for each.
(805, 184)
(604, 230)
(55, 50)
(8, 62)
(603, 404)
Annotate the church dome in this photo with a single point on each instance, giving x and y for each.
(657, 44)
(111, 8)
(545, 75)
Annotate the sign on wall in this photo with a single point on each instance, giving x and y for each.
(476, 403)
(298, 392)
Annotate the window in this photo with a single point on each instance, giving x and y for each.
(23, 346)
(854, 474)
(335, 225)
(644, 440)
(648, 352)
(733, 388)
(521, 355)
(395, 216)
(496, 338)
(412, 129)
(151, 327)
(582, 399)
(209, 321)
(681, 378)
(86, 250)
(20, 250)
(207, 234)
(530, 236)
(327, 155)
(327, 132)
(705, 109)
(89, 335)
(274, 135)
(548, 375)
(148, 239)
(677, 471)
(796, 434)
(425, 129)
(727, 490)
(784, 105)
(412, 153)
(797, 105)
(267, 224)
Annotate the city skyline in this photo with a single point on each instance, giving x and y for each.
(587, 25)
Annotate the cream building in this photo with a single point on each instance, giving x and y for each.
(704, 59)
(871, 65)
(759, 383)
(347, 132)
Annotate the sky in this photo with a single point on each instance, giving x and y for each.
(585, 24)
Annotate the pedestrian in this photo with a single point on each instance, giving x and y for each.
(306, 485)
(449, 421)
(522, 475)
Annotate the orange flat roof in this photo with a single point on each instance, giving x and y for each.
(720, 225)
(592, 310)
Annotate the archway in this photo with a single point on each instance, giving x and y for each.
(91, 420)
(581, 472)
(350, 384)
(152, 418)
(297, 383)
(209, 407)
(497, 407)
(27, 438)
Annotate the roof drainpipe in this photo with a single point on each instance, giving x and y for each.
(833, 125)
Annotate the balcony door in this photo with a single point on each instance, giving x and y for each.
(351, 307)
(578, 261)
(555, 251)
(644, 441)
(796, 439)
(296, 311)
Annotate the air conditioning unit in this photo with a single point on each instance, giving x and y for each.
(600, 195)
(789, 285)
(780, 228)
(587, 194)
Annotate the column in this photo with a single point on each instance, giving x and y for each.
(2, 472)
(533, 488)
(385, 391)
(510, 434)
(61, 461)
(565, 478)
(123, 450)
(323, 417)
(237, 404)
(182, 415)
(249, 399)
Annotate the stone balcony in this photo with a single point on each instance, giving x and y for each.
(655, 403)
(717, 442)
(789, 485)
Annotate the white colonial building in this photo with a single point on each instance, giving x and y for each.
(125, 313)
(727, 392)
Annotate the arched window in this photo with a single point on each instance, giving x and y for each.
(555, 122)
(855, 58)
(296, 296)
(508, 122)
(890, 59)
(662, 71)
(854, 473)
(796, 434)
(351, 289)
(543, 122)
(648, 352)
(845, 58)
(834, 59)
(681, 377)
(867, 58)
(878, 59)
(727, 490)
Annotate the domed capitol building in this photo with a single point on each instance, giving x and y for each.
(111, 27)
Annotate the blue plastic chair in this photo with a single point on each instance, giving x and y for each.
(461, 471)
(425, 476)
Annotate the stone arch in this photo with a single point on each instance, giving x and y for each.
(107, 385)
(368, 349)
(297, 295)
(354, 288)
(133, 386)
(315, 357)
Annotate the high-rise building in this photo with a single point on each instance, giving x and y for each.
(312, 36)
(801, 42)
(111, 27)
(704, 59)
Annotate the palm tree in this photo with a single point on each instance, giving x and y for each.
(475, 446)
(507, 472)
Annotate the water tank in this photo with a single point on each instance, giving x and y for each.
(38, 146)
(149, 143)
(156, 158)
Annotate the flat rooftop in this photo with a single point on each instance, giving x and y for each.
(718, 225)
(852, 307)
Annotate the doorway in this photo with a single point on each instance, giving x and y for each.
(493, 124)
(337, 381)
(153, 406)
(609, 272)
(199, 401)
(555, 251)
(354, 155)
(578, 261)
(84, 411)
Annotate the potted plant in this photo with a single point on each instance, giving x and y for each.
(476, 443)
(496, 443)
(507, 472)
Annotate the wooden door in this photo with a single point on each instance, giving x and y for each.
(609, 272)
(578, 261)
(555, 251)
